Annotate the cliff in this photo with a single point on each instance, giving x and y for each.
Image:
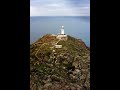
(66, 68)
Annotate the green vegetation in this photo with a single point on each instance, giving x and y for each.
(69, 64)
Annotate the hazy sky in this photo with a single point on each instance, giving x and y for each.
(59, 7)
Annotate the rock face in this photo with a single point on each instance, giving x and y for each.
(66, 68)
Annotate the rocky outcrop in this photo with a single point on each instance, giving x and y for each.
(66, 68)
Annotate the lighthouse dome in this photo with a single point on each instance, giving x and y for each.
(62, 26)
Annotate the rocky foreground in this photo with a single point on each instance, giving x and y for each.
(66, 68)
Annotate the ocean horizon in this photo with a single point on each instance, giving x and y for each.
(75, 26)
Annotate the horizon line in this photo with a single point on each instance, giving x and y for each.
(52, 16)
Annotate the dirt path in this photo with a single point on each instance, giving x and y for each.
(57, 42)
(39, 50)
(41, 46)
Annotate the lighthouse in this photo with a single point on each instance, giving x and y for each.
(62, 35)
(62, 30)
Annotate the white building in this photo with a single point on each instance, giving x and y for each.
(62, 35)
(62, 30)
(58, 46)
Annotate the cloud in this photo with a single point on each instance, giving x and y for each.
(59, 8)
(54, 5)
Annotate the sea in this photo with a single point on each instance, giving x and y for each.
(75, 26)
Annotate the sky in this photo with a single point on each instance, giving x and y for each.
(59, 7)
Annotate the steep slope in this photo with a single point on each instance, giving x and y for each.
(66, 68)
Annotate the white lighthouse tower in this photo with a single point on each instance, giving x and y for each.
(62, 30)
(62, 35)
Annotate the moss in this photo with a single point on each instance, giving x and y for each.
(71, 52)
